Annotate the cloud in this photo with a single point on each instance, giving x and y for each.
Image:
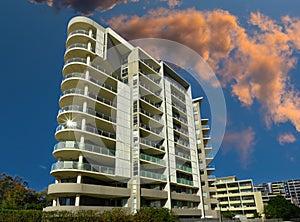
(243, 142)
(255, 63)
(172, 3)
(286, 138)
(86, 7)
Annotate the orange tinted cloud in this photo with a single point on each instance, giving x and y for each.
(286, 138)
(242, 142)
(254, 64)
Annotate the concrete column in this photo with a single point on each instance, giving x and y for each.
(86, 90)
(87, 74)
(88, 60)
(54, 203)
(84, 107)
(83, 123)
(77, 200)
(89, 46)
(91, 33)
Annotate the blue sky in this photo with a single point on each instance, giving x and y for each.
(32, 43)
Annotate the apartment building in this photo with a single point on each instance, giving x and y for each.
(127, 134)
(238, 196)
(206, 169)
(289, 189)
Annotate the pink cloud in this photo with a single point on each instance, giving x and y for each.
(286, 138)
(243, 142)
(254, 64)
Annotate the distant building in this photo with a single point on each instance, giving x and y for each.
(238, 196)
(290, 190)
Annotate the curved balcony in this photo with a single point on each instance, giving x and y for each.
(88, 129)
(182, 143)
(88, 111)
(93, 80)
(84, 147)
(83, 63)
(81, 32)
(178, 97)
(150, 66)
(80, 45)
(90, 95)
(73, 165)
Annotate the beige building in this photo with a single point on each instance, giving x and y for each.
(126, 134)
(238, 197)
(205, 158)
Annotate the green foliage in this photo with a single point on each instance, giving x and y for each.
(114, 215)
(151, 214)
(279, 207)
(256, 215)
(228, 214)
(16, 195)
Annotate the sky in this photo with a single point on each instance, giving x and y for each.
(251, 45)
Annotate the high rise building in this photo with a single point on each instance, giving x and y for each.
(127, 130)
(293, 191)
(238, 196)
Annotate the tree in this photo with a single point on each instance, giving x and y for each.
(279, 207)
(228, 214)
(16, 195)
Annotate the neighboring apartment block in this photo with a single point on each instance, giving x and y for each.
(289, 189)
(129, 133)
(238, 196)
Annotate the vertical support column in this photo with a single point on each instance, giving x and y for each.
(88, 60)
(89, 46)
(91, 33)
(87, 74)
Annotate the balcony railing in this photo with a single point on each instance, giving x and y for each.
(158, 106)
(184, 168)
(211, 167)
(82, 60)
(152, 175)
(182, 99)
(178, 86)
(89, 129)
(180, 129)
(73, 165)
(151, 90)
(153, 144)
(153, 130)
(186, 156)
(85, 146)
(156, 117)
(205, 126)
(211, 177)
(152, 159)
(79, 45)
(88, 110)
(181, 142)
(82, 76)
(84, 32)
(91, 95)
(179, 107)
(149, 65)
(181, 119)
(149, 77)
(185, 181)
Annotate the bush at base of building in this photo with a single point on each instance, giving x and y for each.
(114, 215)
